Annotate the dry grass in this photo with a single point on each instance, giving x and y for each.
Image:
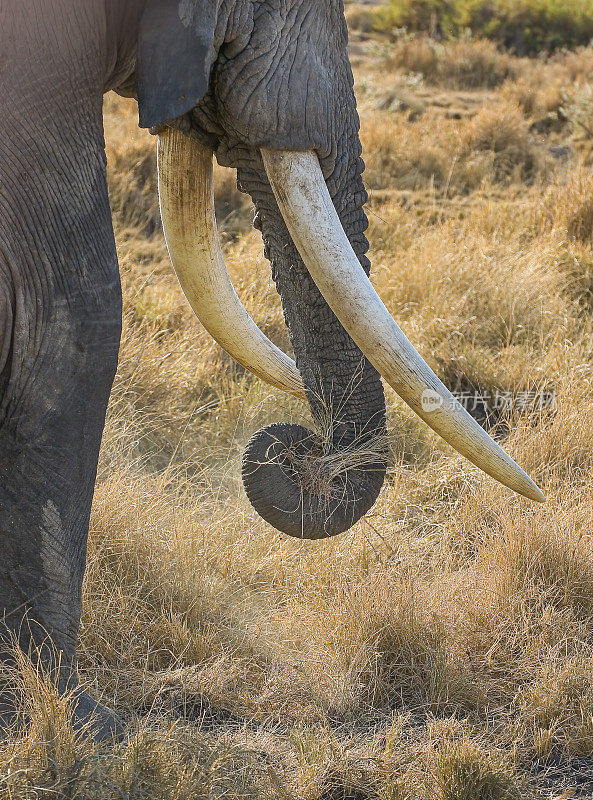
(501, 132)
(567, 207)
(462, 64)
(494, 145)
(444, 647)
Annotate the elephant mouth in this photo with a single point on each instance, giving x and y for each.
(296, 178)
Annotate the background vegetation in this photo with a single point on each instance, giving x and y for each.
(526, 26)
(444, 647)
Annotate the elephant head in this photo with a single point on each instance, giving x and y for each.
(266, 86)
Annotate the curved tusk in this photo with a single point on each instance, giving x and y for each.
(311, 218)
(187, 209)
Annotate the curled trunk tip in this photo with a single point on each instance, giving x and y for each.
(306, 490)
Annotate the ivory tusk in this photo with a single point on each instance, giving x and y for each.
(304, 200)
(186, 197)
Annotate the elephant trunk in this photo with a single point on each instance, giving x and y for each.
(315, 485)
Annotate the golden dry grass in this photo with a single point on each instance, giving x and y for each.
(459, 64)
(444, 647)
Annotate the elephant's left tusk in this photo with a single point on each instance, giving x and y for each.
(187, 209)
(311, 218)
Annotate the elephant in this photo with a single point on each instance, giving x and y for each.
(266, 87)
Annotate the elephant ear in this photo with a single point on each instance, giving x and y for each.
(174, 43)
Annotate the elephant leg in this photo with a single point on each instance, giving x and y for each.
(60, 300)
(55, 384)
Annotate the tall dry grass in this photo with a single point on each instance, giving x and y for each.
(443, 647)
(461, 64)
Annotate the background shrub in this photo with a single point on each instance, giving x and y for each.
(524, 26)
(530, 26)
(420, 16)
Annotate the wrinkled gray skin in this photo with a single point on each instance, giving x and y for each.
(237, 75)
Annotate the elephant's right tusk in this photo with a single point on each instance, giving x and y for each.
(187, 209)
(306, 205)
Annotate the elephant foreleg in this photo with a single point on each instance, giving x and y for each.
(60, 339)
(58, 370)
